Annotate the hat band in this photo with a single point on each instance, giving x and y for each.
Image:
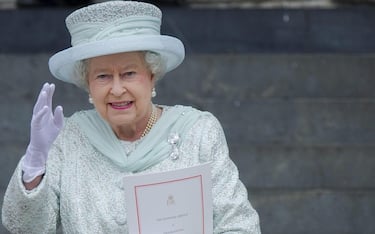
(135, 25)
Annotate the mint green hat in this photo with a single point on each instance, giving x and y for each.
(114, 27)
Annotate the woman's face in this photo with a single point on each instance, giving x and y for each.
(120, 86)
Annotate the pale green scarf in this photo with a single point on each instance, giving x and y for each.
(152, 149)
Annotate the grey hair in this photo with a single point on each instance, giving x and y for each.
(154, 62)
(81, 70)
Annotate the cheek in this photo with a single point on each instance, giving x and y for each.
(96, 92)
(144, 92)
(147, 85)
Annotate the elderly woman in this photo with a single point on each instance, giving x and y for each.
(72, 172)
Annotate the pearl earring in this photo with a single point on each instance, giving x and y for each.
(90, 99)
(153, 93)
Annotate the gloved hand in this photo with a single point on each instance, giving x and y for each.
(45, 126)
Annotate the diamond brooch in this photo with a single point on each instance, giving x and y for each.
(173, 140)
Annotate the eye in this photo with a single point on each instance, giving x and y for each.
(103, 76)
(130, 73)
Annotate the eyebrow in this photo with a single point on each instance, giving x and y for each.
(132, 65)
(129, 66)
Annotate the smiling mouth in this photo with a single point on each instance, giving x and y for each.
(121, 105)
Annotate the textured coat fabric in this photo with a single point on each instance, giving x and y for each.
(83, 190)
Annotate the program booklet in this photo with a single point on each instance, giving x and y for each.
(171, 202)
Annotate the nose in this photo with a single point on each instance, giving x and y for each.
(117, 87)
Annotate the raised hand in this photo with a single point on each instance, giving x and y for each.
(45, 127)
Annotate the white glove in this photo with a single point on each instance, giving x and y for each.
(45, 126)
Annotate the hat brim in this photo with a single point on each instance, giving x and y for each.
(63, 64)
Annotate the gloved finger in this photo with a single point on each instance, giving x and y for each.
(50, 92)
(41, 101)
(58, 117)
(38, 118)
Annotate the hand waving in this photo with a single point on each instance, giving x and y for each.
(45, 127)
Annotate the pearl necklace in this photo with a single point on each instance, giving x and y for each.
(151, 121)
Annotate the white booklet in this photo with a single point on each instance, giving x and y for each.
(171, 202)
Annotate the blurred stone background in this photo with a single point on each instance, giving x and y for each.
(292, 83)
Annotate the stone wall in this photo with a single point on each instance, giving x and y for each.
(8, 4)
(275, 3)
(198, 3)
